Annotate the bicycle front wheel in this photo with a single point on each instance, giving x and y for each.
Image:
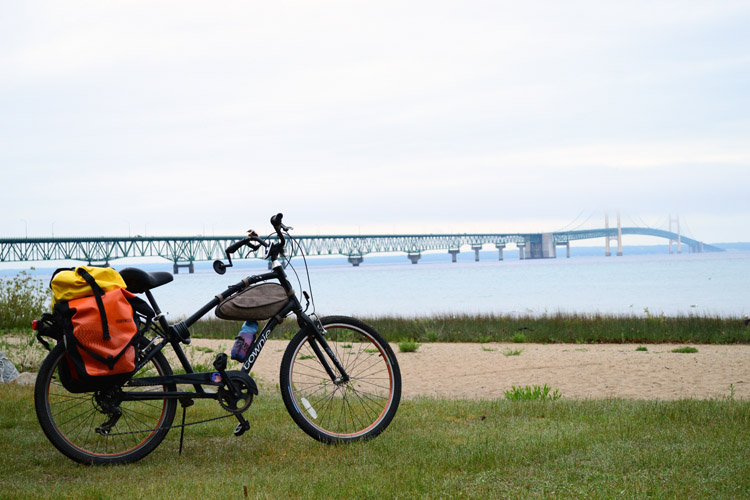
(332, 410)
(81, 425)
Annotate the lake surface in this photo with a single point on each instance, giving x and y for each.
(684, 284)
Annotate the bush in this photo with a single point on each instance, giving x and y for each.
(22, 300)
(685, 350)
(532, 393)
(408, 346)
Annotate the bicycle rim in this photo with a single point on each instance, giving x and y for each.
(361, 407)
(74, 420)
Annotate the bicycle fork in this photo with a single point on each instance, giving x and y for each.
(318, 337)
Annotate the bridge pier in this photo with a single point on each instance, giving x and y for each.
(189, 265)
(567, 247)
(355, 260)
(500, 247)
(476, 249)
(454, 252)
(414, 257)
(521, 248)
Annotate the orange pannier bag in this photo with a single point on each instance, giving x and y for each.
(98, 331)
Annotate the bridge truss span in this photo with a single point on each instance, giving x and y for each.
(188, 249)
(368, 244)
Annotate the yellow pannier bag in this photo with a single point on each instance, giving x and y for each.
(67, 284)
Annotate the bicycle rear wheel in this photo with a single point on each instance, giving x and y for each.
(73, 422)
(330, 411)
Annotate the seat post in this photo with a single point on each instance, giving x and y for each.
(162, 320)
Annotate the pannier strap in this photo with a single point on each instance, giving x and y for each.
(98, 293)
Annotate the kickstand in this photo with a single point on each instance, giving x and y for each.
(185, 403)
(182, 430)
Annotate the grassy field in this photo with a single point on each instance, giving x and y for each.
(552, 328)
(433, 449)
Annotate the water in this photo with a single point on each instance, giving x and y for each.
(704, 284)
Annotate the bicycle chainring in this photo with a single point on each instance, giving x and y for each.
(236, 404)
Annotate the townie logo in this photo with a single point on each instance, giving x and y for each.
(253, 355)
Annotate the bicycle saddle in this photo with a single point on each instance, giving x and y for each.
(138, 280)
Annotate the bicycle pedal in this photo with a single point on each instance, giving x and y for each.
(241, 428)
(220, 363)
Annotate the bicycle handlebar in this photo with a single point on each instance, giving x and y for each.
(237, 244)
(275, 249)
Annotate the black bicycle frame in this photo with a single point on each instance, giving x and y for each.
(179, 333)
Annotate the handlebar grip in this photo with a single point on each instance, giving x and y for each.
(276, 220)
(234, 246)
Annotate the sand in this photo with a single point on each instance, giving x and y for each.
(483, 371)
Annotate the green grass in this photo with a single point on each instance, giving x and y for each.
(551, 328)
(532, 393)
(434, 449)
(408, 346)
(548, 328)
(641, 348)
(519, 338)
(685, 350)
(512, 352)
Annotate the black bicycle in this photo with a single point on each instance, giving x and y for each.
(340, 380)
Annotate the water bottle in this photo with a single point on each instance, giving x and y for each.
(244, 340)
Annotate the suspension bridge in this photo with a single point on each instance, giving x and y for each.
(184, 251)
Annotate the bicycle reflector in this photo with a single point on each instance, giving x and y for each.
(35, 325)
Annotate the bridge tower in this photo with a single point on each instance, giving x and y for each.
(679, 236)
(607, 251)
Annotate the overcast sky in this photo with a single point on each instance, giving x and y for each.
(194, 117)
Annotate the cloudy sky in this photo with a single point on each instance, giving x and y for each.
(194, 117)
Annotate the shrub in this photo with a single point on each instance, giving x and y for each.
(519, 338)
(686, 350)
(408, 346)
(22, 300)
(532, 393)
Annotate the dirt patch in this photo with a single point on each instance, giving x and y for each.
(473, 371)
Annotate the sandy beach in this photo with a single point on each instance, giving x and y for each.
(578, 371)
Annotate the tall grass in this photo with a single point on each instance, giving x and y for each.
(549, 328)
(433, 449)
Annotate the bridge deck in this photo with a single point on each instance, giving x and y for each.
(205, 248)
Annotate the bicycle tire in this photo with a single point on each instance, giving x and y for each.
(359, 409)
(69, 420)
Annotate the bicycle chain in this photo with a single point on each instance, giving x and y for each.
(170, 427)
(231, 414)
